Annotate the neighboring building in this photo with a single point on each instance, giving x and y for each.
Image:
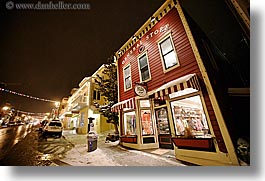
(80, 108)
(65, 114)
(166, 98)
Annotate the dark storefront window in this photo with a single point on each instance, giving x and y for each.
(147, 124)
(162, 121)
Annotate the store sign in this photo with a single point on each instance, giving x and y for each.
(140, 90)
(139, 47)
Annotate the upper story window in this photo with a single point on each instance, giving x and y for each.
(127, 77)
(96, 95)
(144, 67)
(168, 53)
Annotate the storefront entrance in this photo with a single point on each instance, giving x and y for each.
(163, 128)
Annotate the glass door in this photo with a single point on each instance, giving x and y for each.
(163, 129)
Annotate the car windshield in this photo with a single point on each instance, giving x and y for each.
(55, 124)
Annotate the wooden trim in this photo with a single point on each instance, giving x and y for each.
(203, 143)
(166, 137)
(129, 139)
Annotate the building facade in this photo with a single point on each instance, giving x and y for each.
(80, 108)
(166, 99)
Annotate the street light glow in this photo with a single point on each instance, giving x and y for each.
(57, 104)
(5, 108)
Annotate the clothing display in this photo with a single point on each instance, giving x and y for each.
(188, 115)
(147, 126)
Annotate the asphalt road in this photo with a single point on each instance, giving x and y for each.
(23, 146)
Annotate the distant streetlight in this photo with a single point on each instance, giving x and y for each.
(57, 104)
(5, 108)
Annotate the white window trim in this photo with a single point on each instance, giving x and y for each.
(168, 35)
(140, 73)
(124, 85)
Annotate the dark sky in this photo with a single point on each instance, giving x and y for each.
(46, 53)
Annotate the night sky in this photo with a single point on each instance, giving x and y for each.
(46, 53)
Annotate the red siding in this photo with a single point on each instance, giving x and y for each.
(188, 64)
(184, 52)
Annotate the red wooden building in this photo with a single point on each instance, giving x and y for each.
(165, 97)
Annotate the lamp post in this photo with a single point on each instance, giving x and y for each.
(57, 105)
(5, 114)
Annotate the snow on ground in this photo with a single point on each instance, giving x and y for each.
(79, 156)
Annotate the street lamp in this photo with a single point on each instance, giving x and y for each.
(5, 108)
(57, 105)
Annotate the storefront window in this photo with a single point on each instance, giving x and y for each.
(162, 121)
(189, 117)
(129, 123)
(147, 124)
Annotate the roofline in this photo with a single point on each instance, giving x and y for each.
(160, 13)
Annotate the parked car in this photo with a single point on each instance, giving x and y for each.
(53, 128)
(11, 123)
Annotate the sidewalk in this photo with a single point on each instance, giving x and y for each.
(110, 154)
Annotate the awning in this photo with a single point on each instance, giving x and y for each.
(128, 103)
(187, 81)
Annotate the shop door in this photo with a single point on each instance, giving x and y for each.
(163, 129)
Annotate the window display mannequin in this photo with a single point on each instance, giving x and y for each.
(180, 126)
(199, 125)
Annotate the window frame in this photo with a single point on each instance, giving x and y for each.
(204, 109)
(124, 78)
(124, 123)
(164, 38)
(139, 67)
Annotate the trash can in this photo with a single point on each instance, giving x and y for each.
(92, 140)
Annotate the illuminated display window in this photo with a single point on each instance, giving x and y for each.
(162, 121)
(129, 126)
(147, 124)
(189, 117)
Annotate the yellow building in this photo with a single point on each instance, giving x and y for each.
(80, 107)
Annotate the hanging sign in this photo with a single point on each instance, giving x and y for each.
(140, 90)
